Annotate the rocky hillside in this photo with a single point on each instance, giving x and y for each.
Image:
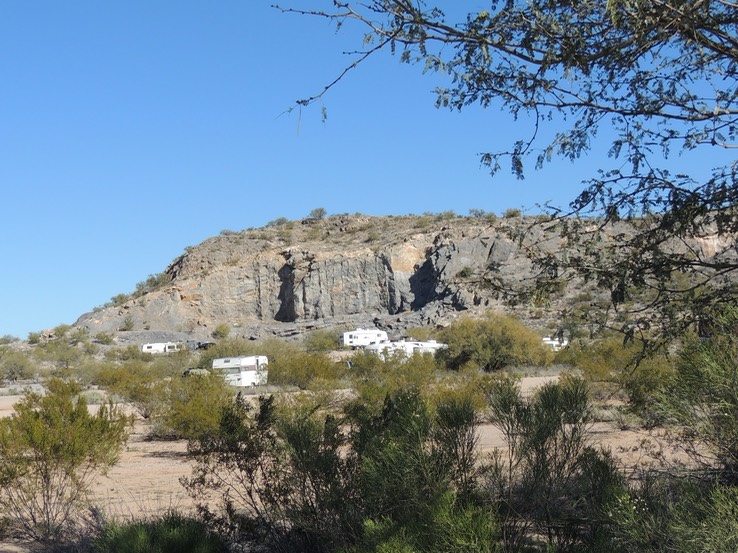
(339, 272)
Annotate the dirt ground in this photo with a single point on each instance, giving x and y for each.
(146, 481)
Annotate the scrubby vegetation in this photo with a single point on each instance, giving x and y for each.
(359, 452)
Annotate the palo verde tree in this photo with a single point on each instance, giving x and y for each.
(656, 77)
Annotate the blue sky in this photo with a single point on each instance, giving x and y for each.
(131, 130)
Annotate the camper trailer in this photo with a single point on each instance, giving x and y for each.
(162, 347)
(385, 349)
(362, 337)
(242, 371)
(555, 343)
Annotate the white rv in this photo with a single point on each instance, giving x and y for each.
(244, 370)
(385, 349)
(555, 343)
(362, 337)
(162, 347)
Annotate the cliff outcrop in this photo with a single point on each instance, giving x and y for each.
(343, 271)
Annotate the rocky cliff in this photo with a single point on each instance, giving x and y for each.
(341, 271)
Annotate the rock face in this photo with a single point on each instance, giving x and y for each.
(342, 271)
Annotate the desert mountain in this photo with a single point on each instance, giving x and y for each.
(343, 271)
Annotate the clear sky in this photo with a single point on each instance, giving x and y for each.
(131, 130)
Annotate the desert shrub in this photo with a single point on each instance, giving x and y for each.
(701, 398)
(168, 533)
(105, 338)
(318, 213)
(279, 221)
(309, 479)
(127, 324)
(609, 365)
(141, 385)
(420, 333)
(376, 377)
(127, 353)
(321, 341)
(491, 344)
(6, 339)
(549, 483)
(52, 449)
(305, 370)
(15, 365)
(512, 213)
(193, 406)
(668, 513)
(60, 354)
(221, 331)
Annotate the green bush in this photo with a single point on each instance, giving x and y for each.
(491, 344)
(14, 365)
(170, 533)
(321, 341)
(367, 479)
(701, 398)
(512, 213)
(550, 484)
(52, 449)
(193, 406)
(221, 331)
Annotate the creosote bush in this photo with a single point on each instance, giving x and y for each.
(51, 449)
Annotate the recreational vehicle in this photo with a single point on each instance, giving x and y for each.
(244, 370)
(385, 349)
(362, 337)
(162, 347)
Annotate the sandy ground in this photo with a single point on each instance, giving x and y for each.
(146, 481)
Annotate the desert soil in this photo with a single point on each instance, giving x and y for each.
(146, 481)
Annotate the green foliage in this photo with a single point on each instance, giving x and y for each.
(14, 365)
(119, 299)
(306, 479)
(52, 449)
(491, 344)
(193, 408)
(278, 222)
(7, 339)
(127, 324)
(321, 341)
(702, 396)
(153, 282)
(465, 272)
(221, 331)
(671, 514)
(60, 353)
(139, 384)
(105, 338)
(34, 338)
(169, 533)
(376, 377)
(610, 365)
(512, 213)
(549, 482)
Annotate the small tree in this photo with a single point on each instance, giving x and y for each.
(492, 344)
(318, 213)
(51, 449)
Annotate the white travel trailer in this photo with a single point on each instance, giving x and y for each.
(362, 337)
(555, 343)
(162, 347)
(385, 349)
(244, 370)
